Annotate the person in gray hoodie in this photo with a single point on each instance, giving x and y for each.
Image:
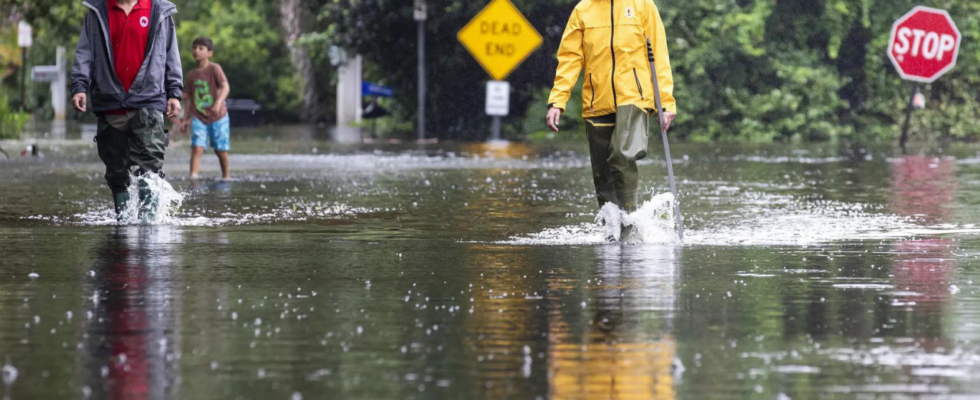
(127, 71)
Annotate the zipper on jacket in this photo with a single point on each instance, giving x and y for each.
(612, 48)
(638, 86)
(592, 102)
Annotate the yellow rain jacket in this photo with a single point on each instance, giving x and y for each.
(608, 39)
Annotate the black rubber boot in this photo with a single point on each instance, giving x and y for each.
(148, 202)
(121, 202)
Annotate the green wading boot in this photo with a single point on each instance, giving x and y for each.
(148, 202)
(121, 201)
(628, 234)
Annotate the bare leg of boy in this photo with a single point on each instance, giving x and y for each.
(223, 159)
(196, 153)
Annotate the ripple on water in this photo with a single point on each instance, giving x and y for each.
(282, 213)
(170, 212)
(790, 223)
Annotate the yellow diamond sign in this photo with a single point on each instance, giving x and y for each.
(500, 38)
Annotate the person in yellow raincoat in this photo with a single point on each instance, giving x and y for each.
(608, 40)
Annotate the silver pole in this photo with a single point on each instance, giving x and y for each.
(678, 220)
(496, 129)
(23, 79)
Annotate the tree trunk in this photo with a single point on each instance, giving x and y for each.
(291, 12)
(852, 63)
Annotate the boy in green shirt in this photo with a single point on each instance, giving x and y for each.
(207, 115)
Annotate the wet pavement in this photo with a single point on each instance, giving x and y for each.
(477, 272)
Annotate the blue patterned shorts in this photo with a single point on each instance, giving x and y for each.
(217, 134)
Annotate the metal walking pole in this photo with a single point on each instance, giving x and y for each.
(670, 163)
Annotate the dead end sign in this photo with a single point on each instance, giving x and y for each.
(924, 44)
(500, 38)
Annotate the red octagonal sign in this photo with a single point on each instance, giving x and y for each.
(924, 44)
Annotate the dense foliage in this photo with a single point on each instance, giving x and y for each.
(746, 70)
(810, 68)
(249, 47)
(248, 43)
(755, 70)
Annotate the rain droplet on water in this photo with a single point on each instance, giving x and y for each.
(9, 374)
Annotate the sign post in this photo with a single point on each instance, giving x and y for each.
(498, 104)
(924, 45)
(500, 39)
(25, 38)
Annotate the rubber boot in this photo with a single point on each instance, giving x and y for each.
(628, 234)
(121, 201)
(628, 197)
(148, 202)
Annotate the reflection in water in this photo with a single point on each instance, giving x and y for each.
(219, 188)
(363, 294)
(924, 188)
(627, 350)
(132, 334)
(922, 273)
(500, 149)
(504, 321)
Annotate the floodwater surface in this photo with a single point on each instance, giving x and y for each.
(478, 272)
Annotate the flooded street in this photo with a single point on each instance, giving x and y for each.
(475, 271)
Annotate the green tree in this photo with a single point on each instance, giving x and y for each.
(755, 70)
(747, 70)
(384, 33)
(249, 48)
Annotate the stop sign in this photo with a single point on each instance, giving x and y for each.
(924, 44)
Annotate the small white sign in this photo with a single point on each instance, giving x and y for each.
(25, 35)
(421, 11)
(498, 98)
(45, 73)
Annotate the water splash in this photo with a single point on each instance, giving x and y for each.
(166, 201)
(792, 223)
(163, 202)
(652, 223)
(611, 217)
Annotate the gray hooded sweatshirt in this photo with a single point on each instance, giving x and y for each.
(160, 78)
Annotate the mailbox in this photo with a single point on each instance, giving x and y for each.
(45, 73)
